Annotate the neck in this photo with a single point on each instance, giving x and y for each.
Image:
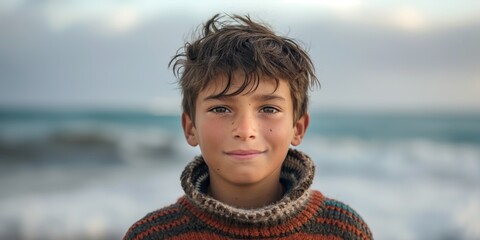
(248, 196)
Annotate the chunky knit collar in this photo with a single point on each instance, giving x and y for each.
(296, 175)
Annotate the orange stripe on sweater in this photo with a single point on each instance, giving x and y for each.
(311, 208)
(348, 213)
(343, 226)
(158, 214)
(158, 228)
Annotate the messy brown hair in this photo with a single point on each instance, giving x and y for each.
(228, 44)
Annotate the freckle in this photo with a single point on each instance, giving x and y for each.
(218, 169)
(232, 123)
(270, 130)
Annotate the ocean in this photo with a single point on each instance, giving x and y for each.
(91, 174)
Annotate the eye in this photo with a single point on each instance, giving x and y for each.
(269, 110)
(219, 110)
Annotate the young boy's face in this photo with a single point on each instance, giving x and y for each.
(244, 138)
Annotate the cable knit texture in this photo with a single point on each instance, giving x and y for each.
(300, 214)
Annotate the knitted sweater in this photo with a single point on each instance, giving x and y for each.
(300, 214)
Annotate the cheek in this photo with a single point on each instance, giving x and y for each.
(212, 132)
(280, 130)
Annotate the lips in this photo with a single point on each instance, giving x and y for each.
(244, 154)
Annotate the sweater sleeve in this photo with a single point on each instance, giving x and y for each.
(342, 220)
(157, 225)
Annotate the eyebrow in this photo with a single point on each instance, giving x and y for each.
(260, 97)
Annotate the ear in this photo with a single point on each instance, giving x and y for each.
(300, 128)
(189, 130)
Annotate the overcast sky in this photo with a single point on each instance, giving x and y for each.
(369, 55)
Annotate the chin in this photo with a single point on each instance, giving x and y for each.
(245, 179)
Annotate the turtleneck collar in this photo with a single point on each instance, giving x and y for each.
(296, 176)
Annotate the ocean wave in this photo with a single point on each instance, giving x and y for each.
(91, 176)
(396, 159)
(94, 143)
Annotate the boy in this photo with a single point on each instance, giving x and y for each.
(245, 97)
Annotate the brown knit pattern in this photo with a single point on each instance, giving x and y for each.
(300, 214)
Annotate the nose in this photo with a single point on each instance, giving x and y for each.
(244, 127)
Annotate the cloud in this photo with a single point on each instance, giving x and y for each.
(408, 18)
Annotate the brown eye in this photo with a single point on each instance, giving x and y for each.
(219, 110)
(269, 110)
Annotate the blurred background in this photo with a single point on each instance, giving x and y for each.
(90, 135)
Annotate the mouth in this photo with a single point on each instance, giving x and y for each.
(244, 154)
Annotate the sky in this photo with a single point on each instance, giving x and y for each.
(369, 55)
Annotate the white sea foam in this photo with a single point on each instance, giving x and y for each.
(415, 189)
(101, 208)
